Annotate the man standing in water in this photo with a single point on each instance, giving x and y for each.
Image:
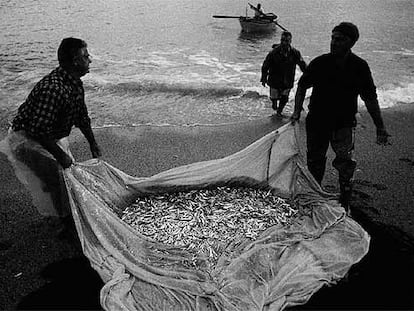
(278, 71)
(45, 119)
(337, 78)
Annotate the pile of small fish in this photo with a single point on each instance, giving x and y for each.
(205, 221)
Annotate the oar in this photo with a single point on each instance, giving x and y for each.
(283, 28)
(225, 16)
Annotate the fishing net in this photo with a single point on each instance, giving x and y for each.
(133, 231)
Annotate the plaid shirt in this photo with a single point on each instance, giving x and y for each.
(54, 106)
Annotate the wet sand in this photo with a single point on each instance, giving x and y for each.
(40, 271)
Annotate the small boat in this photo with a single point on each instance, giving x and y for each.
(263, 24)
(266, 23)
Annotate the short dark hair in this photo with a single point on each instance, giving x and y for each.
(286, 34)
(68, 49)
(348, 29)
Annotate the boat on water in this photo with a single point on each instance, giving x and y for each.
(265, 22)
(262, 24)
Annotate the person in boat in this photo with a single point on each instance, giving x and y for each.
(259, 14)
(278, 71)
(337, 79)
(37, 138)
(258, 11)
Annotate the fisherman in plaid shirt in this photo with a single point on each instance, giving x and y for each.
(57, 103)
(37, 140)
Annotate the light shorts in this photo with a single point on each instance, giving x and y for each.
(277, 93)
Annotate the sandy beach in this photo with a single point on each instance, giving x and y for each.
(40, 271)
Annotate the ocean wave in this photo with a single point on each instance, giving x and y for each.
(157, 103)
(403, 52)
(184, 125)
(157, 87)
(178, 65)
(396, 94)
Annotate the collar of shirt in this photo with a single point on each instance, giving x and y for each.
(282, 50)
(69, 78)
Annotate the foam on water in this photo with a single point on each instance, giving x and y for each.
(402, 51)
(172, 63)
(392, 95)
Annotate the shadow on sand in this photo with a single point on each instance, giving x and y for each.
(383, 280)
(73, 285)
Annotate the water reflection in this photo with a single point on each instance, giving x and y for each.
(254, 37)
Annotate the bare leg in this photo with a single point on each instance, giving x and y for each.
(282, 103)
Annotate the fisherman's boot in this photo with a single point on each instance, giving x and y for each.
(345, 195)
(274, 104)
(317, 168)
(282, 103)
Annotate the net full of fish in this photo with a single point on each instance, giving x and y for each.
(205, 221)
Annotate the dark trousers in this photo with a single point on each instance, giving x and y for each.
(342, 142)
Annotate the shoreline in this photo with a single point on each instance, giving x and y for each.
(34, 260)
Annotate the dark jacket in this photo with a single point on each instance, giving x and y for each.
(334, 99)
(278, 69)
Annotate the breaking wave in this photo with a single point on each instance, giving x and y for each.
(152, 87)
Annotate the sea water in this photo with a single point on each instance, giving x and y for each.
(170, 62)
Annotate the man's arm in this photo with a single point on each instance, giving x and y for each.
(84, 124)
(375, 113)
(265, 70)
(88, 133)
(302, 65)
(47, 107)
(300, 62)
(369, 96)
(299, 99)
(256, 9)
(61, 156)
